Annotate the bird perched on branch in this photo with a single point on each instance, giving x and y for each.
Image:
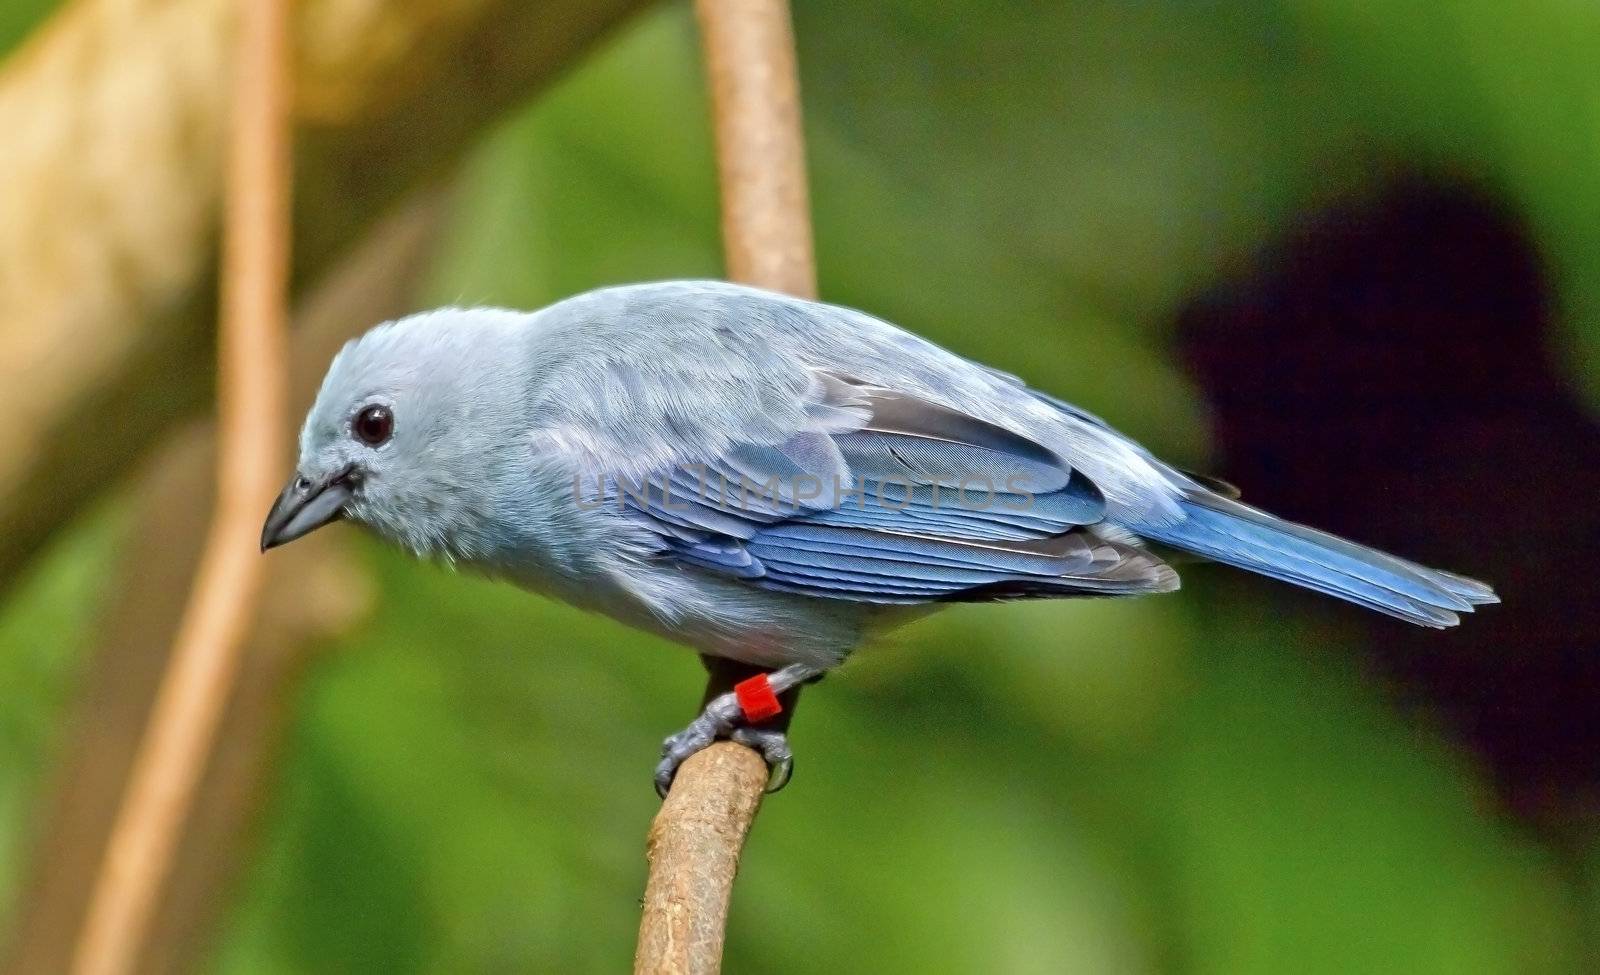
(769, 480)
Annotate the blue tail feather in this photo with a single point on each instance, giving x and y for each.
(1245, 537)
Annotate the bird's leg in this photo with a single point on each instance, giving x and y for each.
(722, 716)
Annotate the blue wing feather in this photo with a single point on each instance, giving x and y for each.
(913, 502)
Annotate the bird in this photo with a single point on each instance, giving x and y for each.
(770, 481)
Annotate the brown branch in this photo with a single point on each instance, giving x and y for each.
(698, 836)
(252, 424)
(693, 850)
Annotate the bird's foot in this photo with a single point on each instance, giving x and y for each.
(773, 745)
(724, 717)
(715, 721)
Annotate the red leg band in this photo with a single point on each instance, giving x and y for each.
(756, 699)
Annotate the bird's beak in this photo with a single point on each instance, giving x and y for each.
(304, 506)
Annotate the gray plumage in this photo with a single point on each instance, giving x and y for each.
(579, 450)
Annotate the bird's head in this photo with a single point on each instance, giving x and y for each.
(410, 424)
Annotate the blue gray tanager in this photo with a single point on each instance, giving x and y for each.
(769, 480)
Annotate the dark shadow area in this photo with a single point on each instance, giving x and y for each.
(1387, 373)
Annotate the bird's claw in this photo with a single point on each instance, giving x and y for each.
(724, 717)
(720, 720)
(701, 732)
(773, 745)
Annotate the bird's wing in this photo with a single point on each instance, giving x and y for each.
(881, 496)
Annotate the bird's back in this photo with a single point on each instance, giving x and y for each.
(674, 369)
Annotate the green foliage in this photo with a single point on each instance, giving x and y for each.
(1185, 783)
(46, 623)
(18, 17)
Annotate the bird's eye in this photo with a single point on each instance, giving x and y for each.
(374, 425)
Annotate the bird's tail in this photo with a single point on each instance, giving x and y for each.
(1242, 536)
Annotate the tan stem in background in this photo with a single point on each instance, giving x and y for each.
(697, 837)
(253, 429)
(112, 123)
(761, 158)
(314, 590)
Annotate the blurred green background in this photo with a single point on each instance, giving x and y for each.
(1202, 782)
